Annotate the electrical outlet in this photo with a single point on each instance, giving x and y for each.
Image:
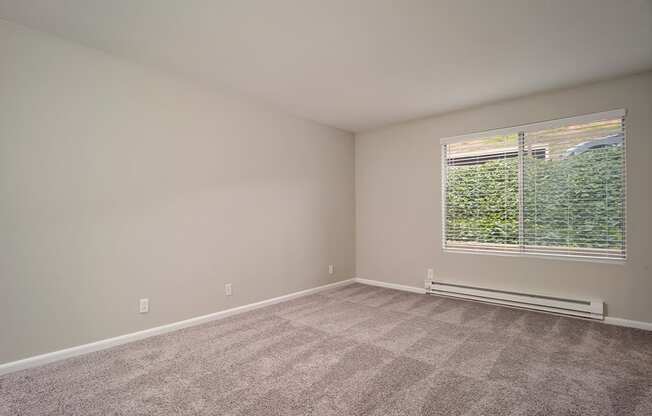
(430, 276)
(144, 305)
(227, 289)
(331, 269)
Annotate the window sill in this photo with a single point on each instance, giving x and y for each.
(587, 259)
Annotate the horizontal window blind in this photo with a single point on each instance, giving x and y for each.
(574, 199)
(482, 194)
(554, 188)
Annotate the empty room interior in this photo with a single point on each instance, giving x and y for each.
(343, 207)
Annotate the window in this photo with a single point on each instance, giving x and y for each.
(553, 188)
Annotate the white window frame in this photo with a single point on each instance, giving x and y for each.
(521, 130)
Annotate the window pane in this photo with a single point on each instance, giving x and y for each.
(482, 192)
(573, 198)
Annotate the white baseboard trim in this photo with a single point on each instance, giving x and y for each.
(50, 357)
(607, 320)
(390, 285)
(628, 323)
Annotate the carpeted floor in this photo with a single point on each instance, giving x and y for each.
(356, 350)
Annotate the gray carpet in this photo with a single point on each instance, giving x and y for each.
(356, 350)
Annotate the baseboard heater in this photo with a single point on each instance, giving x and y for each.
(593, 309)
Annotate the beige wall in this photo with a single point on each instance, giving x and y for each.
(398, 203)
(117, 183)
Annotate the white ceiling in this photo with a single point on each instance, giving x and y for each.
(360, 64)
